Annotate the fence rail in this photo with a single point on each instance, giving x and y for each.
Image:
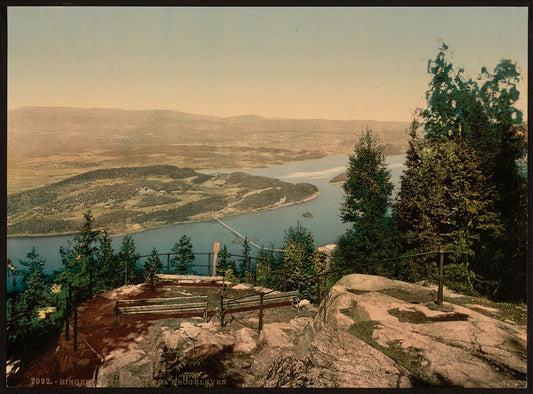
(179, 306)
(288, 297)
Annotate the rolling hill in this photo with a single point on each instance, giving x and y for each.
(48, 144)
(129, 199)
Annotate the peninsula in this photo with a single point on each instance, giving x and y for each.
(130, 199)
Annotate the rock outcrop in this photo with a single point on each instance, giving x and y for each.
(452, 344)
(370, 332)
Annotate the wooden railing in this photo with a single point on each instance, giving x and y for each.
(269, 301)
(179, 307)
(259, 302)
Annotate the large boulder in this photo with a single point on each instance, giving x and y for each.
(450, 344)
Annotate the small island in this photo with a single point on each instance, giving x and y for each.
(308, 215)
(130, 199)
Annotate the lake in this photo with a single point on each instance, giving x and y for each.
(264, 228)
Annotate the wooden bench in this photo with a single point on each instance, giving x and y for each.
(179, 306)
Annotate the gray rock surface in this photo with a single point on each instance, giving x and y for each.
(371, 332)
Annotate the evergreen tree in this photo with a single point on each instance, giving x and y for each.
(36, 313)
(320, 262)
(108, 272)
(264, 269)
(151, 268)
(484, 116)
(184, 256)
(79, 258)
(223, 261)
(245, 271)
(128, 259)
(297, 269)
(449, 209)
(12, 271)
(366, 203)
(500, 147)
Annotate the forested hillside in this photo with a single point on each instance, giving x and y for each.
(134, 198)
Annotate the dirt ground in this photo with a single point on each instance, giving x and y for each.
(61, 365)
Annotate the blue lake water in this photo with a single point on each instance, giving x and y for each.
(264, 228)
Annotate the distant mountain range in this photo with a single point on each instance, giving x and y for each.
(47, 144)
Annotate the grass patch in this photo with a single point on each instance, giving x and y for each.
(357, 292)
(418, 317)
(364, 330)
(411, 358)
(515, 312)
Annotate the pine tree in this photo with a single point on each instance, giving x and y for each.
(36, 313)
(245, 271)
(223, 261)
(444, 204)
(184, 256)
(108, 273)
(484, 116)
(151, 268)
(264, 269)
(298, 270)
(366, 203)
(128, 259)
(79, 258)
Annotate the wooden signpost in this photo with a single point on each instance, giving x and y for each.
(216, 249)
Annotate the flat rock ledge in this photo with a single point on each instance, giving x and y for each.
(370, 332)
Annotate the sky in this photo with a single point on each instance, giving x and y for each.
(292, 62)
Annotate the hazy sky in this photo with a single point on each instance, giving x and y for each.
(336, 63)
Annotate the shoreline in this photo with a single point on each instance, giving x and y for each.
(119, 234)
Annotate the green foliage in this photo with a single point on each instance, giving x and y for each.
(444, 204)
(368, 188)
(184, 256)
(12, 271)
(177, 371)
(229, 276)
(366, 203)
(482, 119)
(80, 257)
(128, 258)
(297, 270)
(50, 209)
(90, 263)
(245, 271)
(152, 267)
(264, 269)
(108, 273)
(222, 261)
(35, 314)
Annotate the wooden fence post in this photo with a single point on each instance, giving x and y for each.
(168, 263)
(221, 308)
(260, 325)
(209, 264)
